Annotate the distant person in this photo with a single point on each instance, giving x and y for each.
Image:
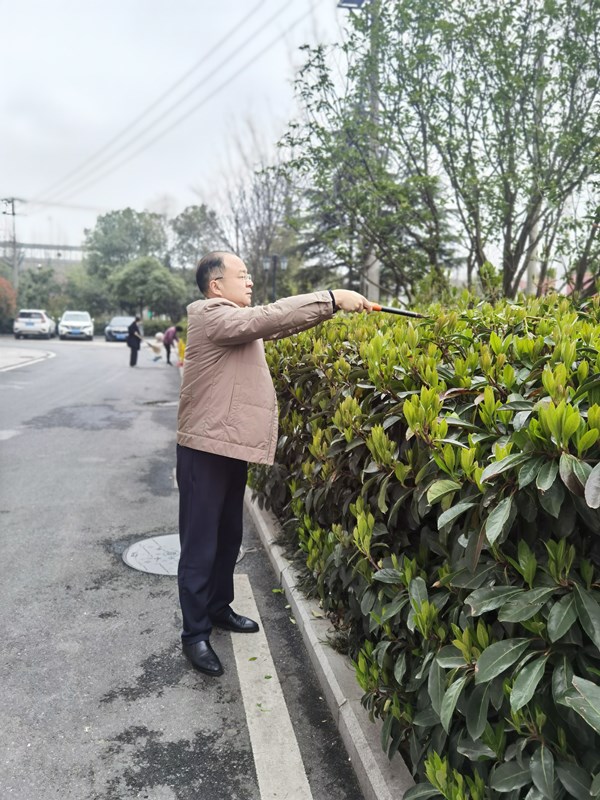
(169, 339)
(227, 417)
(134, 340)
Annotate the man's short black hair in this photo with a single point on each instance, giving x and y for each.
(209, 267)
(178, 328)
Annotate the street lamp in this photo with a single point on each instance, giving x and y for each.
(273, 263)
(351, 3)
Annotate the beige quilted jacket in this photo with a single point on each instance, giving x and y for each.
(227, 403)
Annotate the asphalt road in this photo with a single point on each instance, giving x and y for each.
(97, 702)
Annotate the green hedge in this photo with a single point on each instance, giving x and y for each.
(442, 482)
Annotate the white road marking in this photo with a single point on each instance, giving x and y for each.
(279, 768)
(28, 362)
(4, 435)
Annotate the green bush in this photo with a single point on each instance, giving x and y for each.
(442, 482)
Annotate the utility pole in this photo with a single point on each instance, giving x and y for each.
(10, 202)
(533, 262)
(369, 279)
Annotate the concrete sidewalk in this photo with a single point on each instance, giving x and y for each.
(15, 357)
(379, 778)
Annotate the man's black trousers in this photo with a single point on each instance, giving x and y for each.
(211, 503)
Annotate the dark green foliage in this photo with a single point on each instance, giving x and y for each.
(442, 482)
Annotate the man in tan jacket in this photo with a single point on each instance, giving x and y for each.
(227, 417)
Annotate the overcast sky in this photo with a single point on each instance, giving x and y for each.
(76, 75)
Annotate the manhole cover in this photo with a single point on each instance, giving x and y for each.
(158, 555)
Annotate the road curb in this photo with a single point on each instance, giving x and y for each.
(379, 778)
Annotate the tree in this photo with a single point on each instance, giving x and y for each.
(362, 197)
(486, 117)
(89, 292)
(39, 289)
(8, 304)
(121, 236)
(197, 230)
(146, 283)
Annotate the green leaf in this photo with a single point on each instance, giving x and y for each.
(497, 467)
(552, 500)
(450, 700)
(436, 684)
(562, 616)
(490, 597)
(388, 575)
(509, 776)
(381, 498)
(562, 679)
(400, 668)
(450, 657)
(547, 476)
(568, 474)
(584, 698)
(526, 683)
(421, 791)
(576, 780)
(595, 788)
(588, 612)
(454, 512)
(439, 489)
(477, 711)
(418, 592)
(498, 520)
(525, 605)
(529, 471)
(542, 772)
(592, 488)
(498, 657)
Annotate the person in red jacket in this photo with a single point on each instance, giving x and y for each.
(169, 338)
(228, 416)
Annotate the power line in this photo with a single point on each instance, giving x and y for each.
(185, 116)
(66, 179)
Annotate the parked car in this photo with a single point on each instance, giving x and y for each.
(116, 330)
(76, 325)
(34, 322)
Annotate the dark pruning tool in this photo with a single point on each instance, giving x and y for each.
(399, 311)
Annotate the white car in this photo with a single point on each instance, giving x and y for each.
(34, 322)
(76, 325)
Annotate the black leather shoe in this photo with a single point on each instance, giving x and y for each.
(203, 658)
(236, 623)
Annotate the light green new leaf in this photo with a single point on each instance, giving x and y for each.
(592, 488)
(439, 489)
(526, 683)
(454, 512)
(562, 616)
(584, 698)
(450, 700)
(490, 597)
(576, 780)
(525, 605)
(588, 612)
(542, 772)
(498, 657)
(498, 520)
(510, 776)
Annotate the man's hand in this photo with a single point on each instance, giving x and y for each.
(351, 301)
